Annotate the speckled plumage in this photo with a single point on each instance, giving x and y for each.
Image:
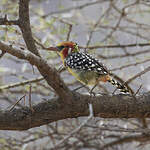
(85, 68)
(83, 61)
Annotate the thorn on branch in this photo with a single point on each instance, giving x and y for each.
(23, 97)
(138, 90)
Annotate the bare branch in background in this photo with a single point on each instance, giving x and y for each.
(117, 46)
(138, 75)
(5, 21)
(113, 32)
(14, 85)
(72, 8)
(49, 74)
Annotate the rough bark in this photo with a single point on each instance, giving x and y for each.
(24, 24)
(69, 104)
(50, 74)
(117, 106)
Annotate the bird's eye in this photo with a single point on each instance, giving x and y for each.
(76, 45)
(60, 47)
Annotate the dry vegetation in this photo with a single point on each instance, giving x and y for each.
(36, 91)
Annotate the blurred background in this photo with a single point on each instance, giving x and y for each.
(115, 31)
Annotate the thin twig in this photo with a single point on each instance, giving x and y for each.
(138, 90)
(17, 102)
(45, 48)
(77, 129)
(137, 75)
(14, 85)
(30, 104)
(69, 32)
(116, 46)
(129, 65)
(72, 8)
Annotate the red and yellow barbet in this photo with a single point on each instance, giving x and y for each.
(85, 68)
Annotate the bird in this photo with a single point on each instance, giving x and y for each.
(84, 67)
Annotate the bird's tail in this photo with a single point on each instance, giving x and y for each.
(119, 86)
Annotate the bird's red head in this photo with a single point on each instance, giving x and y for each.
(66, 48)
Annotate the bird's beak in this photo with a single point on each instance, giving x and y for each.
(52, 48)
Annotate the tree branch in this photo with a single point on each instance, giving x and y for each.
(116, 106)
(140, 138)
(24, 24)
(22, 83)
(117, 46)
(5, 21)
(50, 74)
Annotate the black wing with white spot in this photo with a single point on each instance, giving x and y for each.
(83, 61)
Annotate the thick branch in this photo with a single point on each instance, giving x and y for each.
(50, 74)
(24, 24)
(117, 106)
